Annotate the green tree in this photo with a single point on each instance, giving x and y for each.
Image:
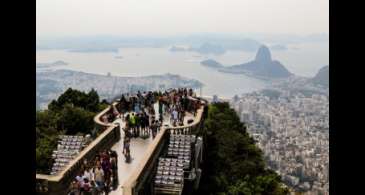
(88, 101)
(92, 102)
(74, 119)
(72, 113)
(46, 141)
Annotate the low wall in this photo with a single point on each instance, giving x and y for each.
(59, 184)
(99, 123)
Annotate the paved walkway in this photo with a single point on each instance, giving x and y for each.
(137, 149)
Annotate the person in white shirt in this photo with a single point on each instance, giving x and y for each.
(79, 178)
(99, 177)
(88, 174)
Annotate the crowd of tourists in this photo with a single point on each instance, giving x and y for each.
(138, 112)
(98, 176)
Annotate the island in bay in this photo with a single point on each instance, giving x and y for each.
(262, 67)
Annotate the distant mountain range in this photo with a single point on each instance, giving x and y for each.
(52, 64)
(210, 48)
(263, 66)
(307, 86)
(247, 45)
(205, 48)
(50, 84)
(243, 41)
(92, 50)
(322, 77)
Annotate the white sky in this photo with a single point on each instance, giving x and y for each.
(171, 17)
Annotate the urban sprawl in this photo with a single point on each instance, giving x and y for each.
(293, 132)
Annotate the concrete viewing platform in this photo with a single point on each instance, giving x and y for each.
(138, 150)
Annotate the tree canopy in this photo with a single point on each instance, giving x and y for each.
(88, 101)
(72, 113)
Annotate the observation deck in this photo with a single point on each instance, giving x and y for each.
(137, 176)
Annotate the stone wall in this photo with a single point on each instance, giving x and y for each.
(59, 184)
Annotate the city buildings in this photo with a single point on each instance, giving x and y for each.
(292, 129)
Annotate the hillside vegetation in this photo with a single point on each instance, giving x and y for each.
(233, 164)
(72, 113)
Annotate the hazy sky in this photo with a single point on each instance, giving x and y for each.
(171, 17)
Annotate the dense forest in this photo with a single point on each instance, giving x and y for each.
(233, 164)
(72, 113)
